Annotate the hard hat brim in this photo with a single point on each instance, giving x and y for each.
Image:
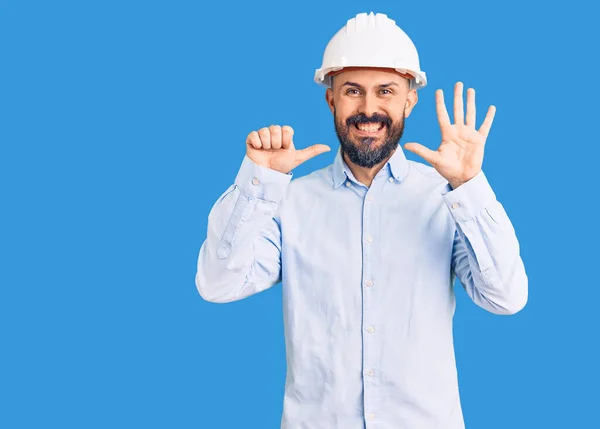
(323, 75)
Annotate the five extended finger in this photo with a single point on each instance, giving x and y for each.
(471, 111)
(487, 122)
(442, 113)
(458, 104)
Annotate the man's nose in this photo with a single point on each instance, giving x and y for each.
(369, 105)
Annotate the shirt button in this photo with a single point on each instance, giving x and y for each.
(370, 198)
(255, 181)
(455, 205)
(391, 179)
(348, 184)
(370, 329)
(371, 416)
(370, 373)
(369, 283)
(369, 239)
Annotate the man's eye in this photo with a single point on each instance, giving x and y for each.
(386, 91)
(352, 91)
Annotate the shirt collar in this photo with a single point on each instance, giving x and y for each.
(397, 167)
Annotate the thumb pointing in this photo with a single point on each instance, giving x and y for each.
(303, 155)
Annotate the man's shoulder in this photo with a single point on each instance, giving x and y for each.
(427, 179)
(315, 177)
(310, 185)
(426, 171)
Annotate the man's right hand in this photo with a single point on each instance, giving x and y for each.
(272, 147)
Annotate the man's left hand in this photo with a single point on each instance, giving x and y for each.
(460, 155)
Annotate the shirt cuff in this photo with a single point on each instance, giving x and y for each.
(262, 182)
(470, 198)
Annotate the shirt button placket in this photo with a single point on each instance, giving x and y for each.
(369, 336)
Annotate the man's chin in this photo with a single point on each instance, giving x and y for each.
(368, 142)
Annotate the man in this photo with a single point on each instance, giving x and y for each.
(368, 248)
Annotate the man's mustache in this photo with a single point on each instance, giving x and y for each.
(361, 118)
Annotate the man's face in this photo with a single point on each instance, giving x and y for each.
(369, 107)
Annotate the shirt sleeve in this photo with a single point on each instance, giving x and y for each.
(486, 254)
(241, 254)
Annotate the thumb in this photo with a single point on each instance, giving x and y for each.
(425, 153)
(303, 155)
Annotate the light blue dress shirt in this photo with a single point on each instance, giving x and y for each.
(367, 277)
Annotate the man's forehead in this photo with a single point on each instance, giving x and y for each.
(368, 77)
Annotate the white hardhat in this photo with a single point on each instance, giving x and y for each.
(371, 40)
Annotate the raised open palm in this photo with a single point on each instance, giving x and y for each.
(460, 155)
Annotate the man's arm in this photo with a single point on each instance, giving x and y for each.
(485, 254)
(241, 255)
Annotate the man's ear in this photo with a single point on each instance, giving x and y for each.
(411, 100)
(329, 99)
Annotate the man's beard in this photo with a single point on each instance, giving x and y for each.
(361, 150)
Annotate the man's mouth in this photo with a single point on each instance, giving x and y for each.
(369, 128)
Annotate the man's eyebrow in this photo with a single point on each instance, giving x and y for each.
(383, 85)
(351, 84)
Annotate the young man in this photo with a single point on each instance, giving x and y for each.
(368, 248)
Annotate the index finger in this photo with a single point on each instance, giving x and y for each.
(442, 113)
(286, 136)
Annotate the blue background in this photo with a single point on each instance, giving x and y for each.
(121, 122)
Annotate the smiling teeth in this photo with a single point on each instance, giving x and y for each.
(370, 128)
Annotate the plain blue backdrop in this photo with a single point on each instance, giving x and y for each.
(121, 122)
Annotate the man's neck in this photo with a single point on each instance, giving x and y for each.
(365, 175)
